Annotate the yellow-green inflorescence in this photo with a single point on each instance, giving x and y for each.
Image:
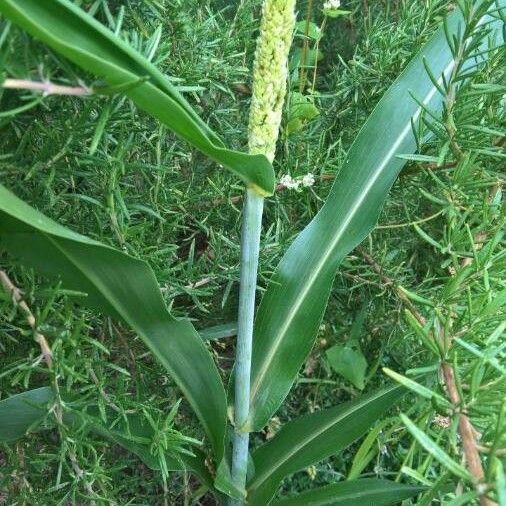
(270, 75)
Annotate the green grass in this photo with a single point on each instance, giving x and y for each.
(104, 169)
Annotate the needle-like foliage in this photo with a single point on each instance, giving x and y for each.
(420, 300)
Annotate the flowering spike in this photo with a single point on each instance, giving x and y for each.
(270, 75)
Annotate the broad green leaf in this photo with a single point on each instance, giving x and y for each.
(29, 412)
(23, 412)
(349, 362)
(365, 492)
(435, 450)
(79, 37)
(311, 438)
(300, 112)
(293, 305)
(124, 288)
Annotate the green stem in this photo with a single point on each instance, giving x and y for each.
(305, 48)
(250, 247)
(269, 89)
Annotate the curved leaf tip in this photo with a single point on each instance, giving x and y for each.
(72, 32)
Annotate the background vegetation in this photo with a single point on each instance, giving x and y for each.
(100, 167)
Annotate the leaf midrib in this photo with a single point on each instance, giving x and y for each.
(294, 308)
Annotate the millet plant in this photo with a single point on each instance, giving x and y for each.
(274, 341)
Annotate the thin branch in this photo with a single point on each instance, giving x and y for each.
(18, 299)
(81, 475)
(47, 354)
(466, 430)
(46, 87)
(468, 433)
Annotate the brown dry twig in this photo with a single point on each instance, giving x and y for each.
(467, 432)
(17, 296)
(47, 355)
(45, 87)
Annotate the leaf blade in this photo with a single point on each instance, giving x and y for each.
(304, 441)
(349, 362)
(21, 412)
(123, 288)
(366, 492)
(27, 410)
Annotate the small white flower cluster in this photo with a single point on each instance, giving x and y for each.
(288, 182)
(332, 4)
(442, 421)
(293, 184)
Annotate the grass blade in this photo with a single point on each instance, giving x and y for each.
(124, 288)
(313, 437)
(366, 492)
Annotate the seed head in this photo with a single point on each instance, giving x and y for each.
(270, 75)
